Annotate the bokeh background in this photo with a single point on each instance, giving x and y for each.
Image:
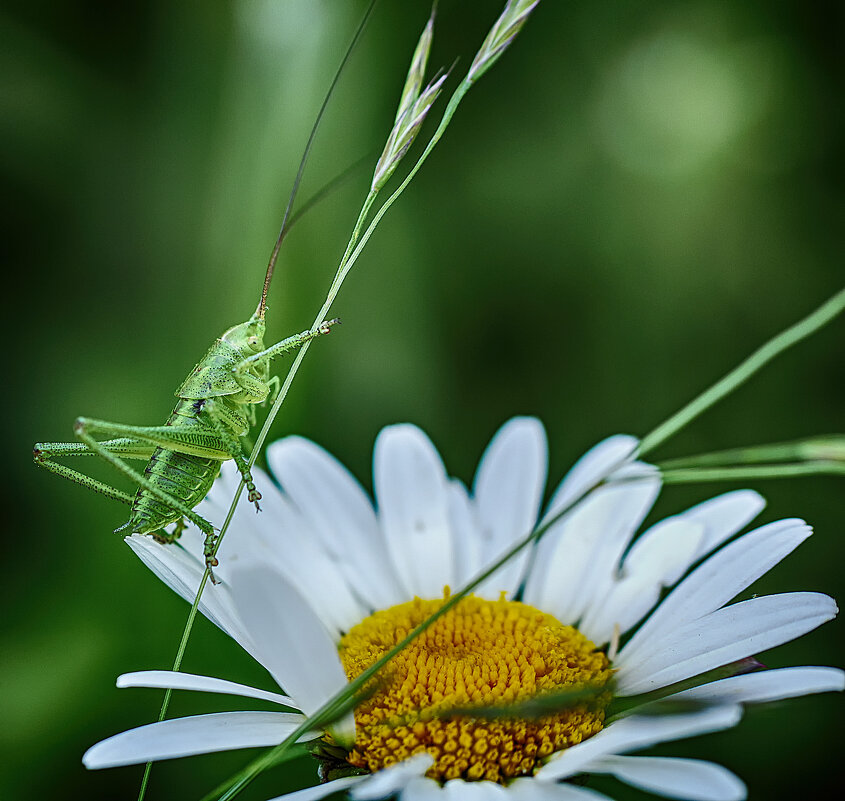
(635, 197)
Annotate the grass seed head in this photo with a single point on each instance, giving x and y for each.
(416, 72)
(404, 132)
(502, 33)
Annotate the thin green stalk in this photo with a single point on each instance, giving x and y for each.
(346, 266)
(351, 253)
(186, 632)
(740, 374)
(751, 472)
(177, 664)
(350, 256)
(300, 354)
(292, 754)
(812, 449)
(183, 644)
(262, 436)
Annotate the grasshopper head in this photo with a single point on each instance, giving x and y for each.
(248, 337)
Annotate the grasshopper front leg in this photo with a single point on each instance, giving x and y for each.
(290, 343)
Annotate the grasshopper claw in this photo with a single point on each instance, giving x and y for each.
(326, 325)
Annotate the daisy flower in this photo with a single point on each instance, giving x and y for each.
(323, 583)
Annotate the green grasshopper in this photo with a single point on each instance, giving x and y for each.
(215, 408)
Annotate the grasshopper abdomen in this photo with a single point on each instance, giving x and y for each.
(183, 476)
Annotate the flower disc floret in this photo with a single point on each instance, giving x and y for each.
(480, 653)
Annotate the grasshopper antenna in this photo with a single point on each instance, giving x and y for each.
(271, 266)
(327, 189)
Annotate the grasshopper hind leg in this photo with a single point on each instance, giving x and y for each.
(166, 537)
(83, 429)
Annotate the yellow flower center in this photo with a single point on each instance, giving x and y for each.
(479, 654)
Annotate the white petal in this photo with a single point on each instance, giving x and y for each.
(422, 790)
(628, 601)
(726, 635)
(595, 465)
(459, 790)
(637, 496)
(180, 571)
(413, 508)
(173, 680)
(320, 790)
(466, 532)
(248, 533)
(663, 553)
(392, 779)
(507, 491)
(723, 516)
(657, 559)
(768, 685)
(635, 732)
(534, 790)
(588, 544)
(295, 646)
(715, 582)
(281, 537)
(244, 538)
(200, 734)
(214, 508)
(665, 550)
(689, 779)
(341, 515)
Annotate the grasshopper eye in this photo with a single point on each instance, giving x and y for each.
(254, 343)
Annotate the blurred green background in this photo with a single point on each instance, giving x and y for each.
(634, 198)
